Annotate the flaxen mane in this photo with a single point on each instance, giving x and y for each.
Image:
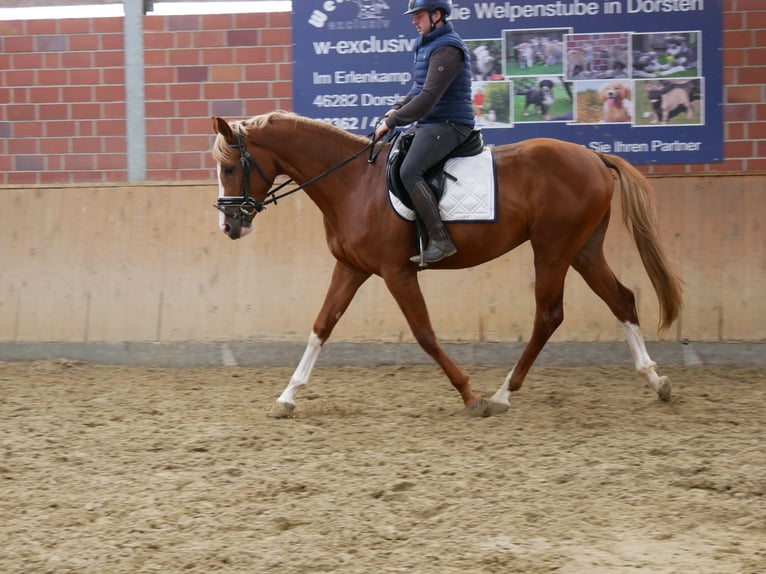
(222, 153)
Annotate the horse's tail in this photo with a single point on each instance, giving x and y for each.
(640, 216)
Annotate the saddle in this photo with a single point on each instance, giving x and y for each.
(435, 176)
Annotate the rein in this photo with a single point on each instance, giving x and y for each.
(248, 206)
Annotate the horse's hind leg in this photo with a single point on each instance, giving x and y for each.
(591, 264)
(644, 364)
(344, 284)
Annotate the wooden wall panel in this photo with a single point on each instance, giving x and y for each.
(147, 263)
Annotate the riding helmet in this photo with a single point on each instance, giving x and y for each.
(429, 6)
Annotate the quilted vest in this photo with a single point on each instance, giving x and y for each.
(455, 104)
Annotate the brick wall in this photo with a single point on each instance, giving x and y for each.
(744, 77)
(63, 93)
(62, 118)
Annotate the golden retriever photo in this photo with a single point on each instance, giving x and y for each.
(617, 103)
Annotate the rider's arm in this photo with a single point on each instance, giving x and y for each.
(443, 67)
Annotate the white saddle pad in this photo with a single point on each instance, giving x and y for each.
(469, 197)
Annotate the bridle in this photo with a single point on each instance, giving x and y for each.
(249, 207)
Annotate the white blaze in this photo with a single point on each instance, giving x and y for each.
(221, 216)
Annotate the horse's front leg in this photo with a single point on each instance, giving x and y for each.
(344, 284)
(403, 285)
(285, 404)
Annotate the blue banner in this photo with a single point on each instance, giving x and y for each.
(637, 78)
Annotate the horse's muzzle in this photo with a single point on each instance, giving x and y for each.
(235, 229)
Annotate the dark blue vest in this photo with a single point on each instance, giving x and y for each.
(455, 104)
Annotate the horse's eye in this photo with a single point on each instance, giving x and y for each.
(228, 171)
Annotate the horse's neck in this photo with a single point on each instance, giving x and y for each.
(310, 155)
(306, 151)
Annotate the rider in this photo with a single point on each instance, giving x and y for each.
(439, 104)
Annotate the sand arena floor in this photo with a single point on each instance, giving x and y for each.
(138, 470)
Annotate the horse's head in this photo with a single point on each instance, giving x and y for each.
(240, 197)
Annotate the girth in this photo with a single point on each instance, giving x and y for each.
(434, 176)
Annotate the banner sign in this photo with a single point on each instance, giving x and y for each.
(636, 78)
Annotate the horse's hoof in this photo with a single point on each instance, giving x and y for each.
(495, 408)
(281, 410)
(478, 408)
(664, 390)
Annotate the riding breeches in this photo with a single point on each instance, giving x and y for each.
(432, 143)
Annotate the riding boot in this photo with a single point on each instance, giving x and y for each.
(439, 243)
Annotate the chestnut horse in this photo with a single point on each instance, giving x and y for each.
(554, 194)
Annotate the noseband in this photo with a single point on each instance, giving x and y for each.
(248, 206)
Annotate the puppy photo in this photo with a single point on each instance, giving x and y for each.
(669, 99)
(645, 64)
(531, 52)
(579, 61)
(482, 63)
(680, 55)
(525, 54)
(597, 56)
(617, 103)
(553, 51)
(540, 98)
(618, 59)
(493, 103)
(662, 55)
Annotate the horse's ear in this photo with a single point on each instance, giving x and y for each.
(221, 126)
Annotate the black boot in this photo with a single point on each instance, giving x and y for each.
(439, 243)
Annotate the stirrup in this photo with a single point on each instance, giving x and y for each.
(422, 241)
(436, 251)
